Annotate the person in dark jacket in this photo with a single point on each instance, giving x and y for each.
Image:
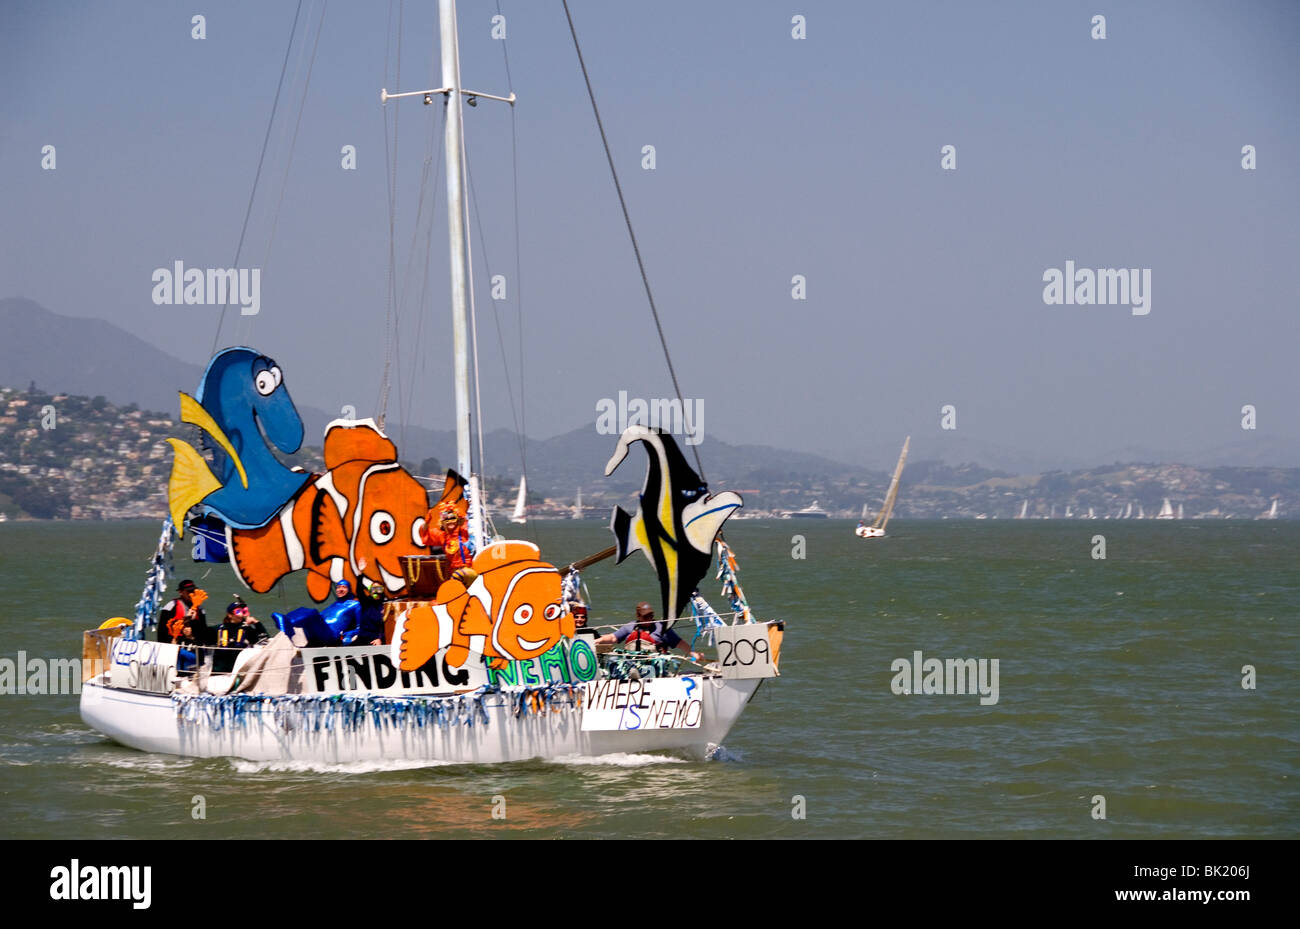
(370, 630)
(186, 608)
(234, 633)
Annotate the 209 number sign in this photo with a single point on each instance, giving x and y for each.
(744, 651)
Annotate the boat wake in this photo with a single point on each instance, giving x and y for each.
(619, 760)
(243, 766)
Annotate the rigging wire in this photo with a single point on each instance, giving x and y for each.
(302, 106)
(248, 212)
(521, 428)
(627, 218)
(390, 318)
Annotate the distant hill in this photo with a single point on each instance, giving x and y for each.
(65, 354)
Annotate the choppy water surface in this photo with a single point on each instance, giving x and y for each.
(1119, 677)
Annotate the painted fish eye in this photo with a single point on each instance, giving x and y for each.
(279, 375)
(552, 611)
(523, 615)
(266, 381)
(382, 527)
(417, 531)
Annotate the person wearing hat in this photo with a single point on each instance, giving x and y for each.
(238, 629)
(658, 635)
(451, 536)
(185, 610)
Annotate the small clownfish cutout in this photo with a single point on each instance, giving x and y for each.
(508, 606)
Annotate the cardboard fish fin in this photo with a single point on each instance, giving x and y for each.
(356, 440)
(192, 412)
(191, 480)
(419, 637)
(625, 535)
(703, 518)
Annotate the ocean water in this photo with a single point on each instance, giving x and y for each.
(1119, 678)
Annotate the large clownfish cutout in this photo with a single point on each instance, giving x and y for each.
(354, 521)
(507, 606)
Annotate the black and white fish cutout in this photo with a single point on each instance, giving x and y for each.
(677, 520)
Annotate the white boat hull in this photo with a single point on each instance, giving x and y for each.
(149, 722)
(869, 532)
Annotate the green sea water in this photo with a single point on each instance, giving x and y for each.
(1119, 678)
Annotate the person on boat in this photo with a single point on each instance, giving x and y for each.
(234, 633)
(185, 657)
(452, 536)
(186, 607)
(646, 630)
(343, 615)
(370, 629)
(256, 631)
(580, 626)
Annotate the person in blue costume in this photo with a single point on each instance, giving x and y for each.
(344, 614)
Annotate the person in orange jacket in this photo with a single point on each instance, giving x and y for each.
(452, 536)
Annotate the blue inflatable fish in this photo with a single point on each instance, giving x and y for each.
(244, 409)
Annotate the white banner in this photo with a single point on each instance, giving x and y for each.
(138, 664)
(370, 668)
(658, 703)
(744, 651)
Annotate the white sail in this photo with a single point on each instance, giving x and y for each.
(1166, 510)
(1180, 511)
(1069, 514)
(1141, 513)
(520, 513)
(1092, 514)
(1024, 510)
(577, 506)
(882, 520)
(1128, 511)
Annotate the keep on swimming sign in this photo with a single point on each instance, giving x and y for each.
(659, 703)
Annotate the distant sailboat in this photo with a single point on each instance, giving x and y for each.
(1092, 514)
(577, 506)
(1180, 511)
(1024, 510)
(1069, 513)
(520, 513)
(1052, 514)
(1166, 510)
(877, 529)
(1270, 513)
(1128, 511)
(1141, 513)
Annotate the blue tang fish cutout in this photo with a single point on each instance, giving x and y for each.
(677, 521)
(244, 409)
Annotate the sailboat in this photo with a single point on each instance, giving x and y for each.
(1270, 513)
(1069, 514)
(1092, 514)
(1024, 510)
(1128, 511)
(1141, 513)
(520, 513)
(877, 529)
(1166, 510)
(577, 505)
(481, 664)
(1180, 511)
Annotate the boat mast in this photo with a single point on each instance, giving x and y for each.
(454, 140)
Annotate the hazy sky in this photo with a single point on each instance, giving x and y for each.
(775, 157)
